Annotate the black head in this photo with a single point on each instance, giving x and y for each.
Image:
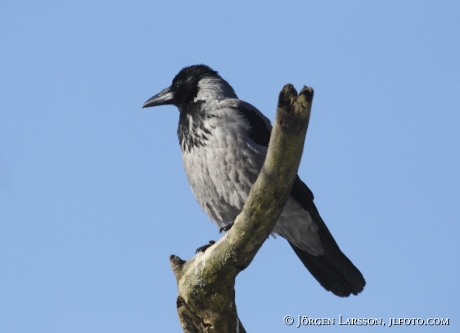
(184, 87)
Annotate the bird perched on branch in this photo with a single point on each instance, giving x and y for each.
(224, 142)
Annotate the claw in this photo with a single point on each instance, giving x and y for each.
(226, 227)
(205, 247)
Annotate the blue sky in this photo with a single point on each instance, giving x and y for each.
(94, 199)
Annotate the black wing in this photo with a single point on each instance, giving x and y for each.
(260, 125)
(333, 270)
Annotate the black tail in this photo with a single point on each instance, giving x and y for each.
(333, 270)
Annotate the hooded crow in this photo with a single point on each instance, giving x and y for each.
(224, 142)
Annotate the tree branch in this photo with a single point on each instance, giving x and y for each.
(206, 301)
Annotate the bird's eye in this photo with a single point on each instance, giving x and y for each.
(178, 83)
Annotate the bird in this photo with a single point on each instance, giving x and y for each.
(223, 142)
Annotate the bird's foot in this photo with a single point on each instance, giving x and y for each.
(205, 247)
(226, 227)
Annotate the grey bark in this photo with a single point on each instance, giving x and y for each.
(206, 301)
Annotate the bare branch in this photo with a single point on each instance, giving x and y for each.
(206, 301)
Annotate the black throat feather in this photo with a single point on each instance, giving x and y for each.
(191, 131)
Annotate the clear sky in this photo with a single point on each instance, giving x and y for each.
(94, 198)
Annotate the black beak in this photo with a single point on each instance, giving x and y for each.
(166, 96)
